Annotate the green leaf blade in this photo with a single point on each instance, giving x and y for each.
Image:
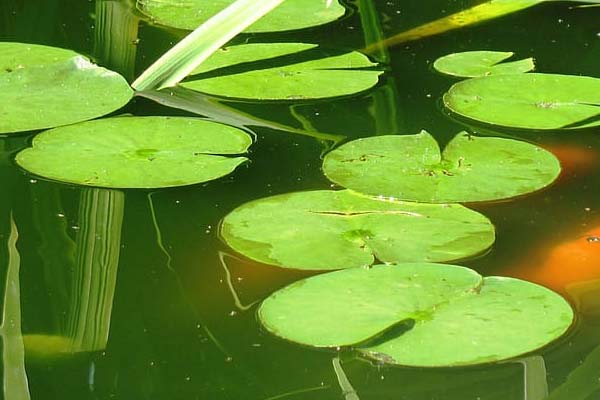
(283, 71)
(182, 59)
(43, 87)
(319, 230)
(412, 168)
(136, 152)
(358, 300)
(471, 64)
(291, 15)
(528, 101)
(458, 317)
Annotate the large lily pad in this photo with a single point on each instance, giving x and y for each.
(411, 167)
(418, 314)
(472, 64)
(43, 87)
(530, 101)
(290, 15)
(136, 152)
(283, 71)
(338, 229)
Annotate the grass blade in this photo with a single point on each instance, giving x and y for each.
(182, 59)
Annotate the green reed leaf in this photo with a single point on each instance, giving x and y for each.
(182, 59)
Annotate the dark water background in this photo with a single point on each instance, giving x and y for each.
(174, 328)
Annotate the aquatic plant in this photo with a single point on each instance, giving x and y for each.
(418, 314)
(326, 229)
(320, 230)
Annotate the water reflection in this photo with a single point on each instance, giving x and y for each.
(79, 274)
(116, 35)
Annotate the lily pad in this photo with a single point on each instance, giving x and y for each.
(136, 152)
(328, 229)
(411, 167)
(472, 64)
(290, 15)
(418, 314)
(43, 87)
(283, 71)
(529, 101)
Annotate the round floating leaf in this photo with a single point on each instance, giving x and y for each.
(43, 87)
(418, 314)
(340, 229)
(136, 152)
(411, 167)
(471, 64)
(283, 71)
(357, 304)
(290, 15)
(531, 101)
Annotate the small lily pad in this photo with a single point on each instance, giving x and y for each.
(136, 152)
(327, 229)
(283, 71)
(418, 314)
(290, 15)
(528, 101)
(43, 87)
(471, 64)
(411, 167)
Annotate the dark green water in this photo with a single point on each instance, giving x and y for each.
(165, 312)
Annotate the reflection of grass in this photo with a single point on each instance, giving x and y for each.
(470, 16)
(169, 259)
(236, 297)
(116, 33)
(13, 352)
(201, 104)
(385, 98)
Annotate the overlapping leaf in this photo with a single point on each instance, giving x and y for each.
(292, 14)
(43, 87)
(418, 314)
(283, 71)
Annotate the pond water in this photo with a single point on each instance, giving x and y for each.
(167, 311)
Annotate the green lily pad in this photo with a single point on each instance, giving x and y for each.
(136, 152)
(529, 101)
(418, 314)
(327, 229)
(411, 167)
(43, 87)
(472, 64)
(283, 71)
(290, 15)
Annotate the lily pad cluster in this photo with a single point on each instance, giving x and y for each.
(409, 311)
(400, 209)
(45, 87)
(522, 100)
